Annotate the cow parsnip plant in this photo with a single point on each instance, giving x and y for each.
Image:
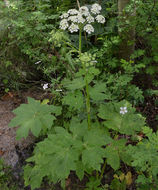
(91, 131)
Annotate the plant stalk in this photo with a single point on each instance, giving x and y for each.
(88, 104)
(80, 41)
(78, 3)
(86, 81)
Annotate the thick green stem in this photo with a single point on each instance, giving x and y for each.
(86, 81)
(88, 104)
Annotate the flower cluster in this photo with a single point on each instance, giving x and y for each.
(73, 19)
(123, 110)
(45, 86)
(88, 59)
(96, 9)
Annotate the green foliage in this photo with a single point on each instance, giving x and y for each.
(78, 150)
(144, 158)
(124, 124)
(116, 87)
(6, 179)
(116, 184)
(93, 184)
(1, 168)
(74, 100)
(114, 151)
(34, 117)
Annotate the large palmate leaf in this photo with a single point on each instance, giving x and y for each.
(56, 155)
(78, 149)
(127, 123)
(33, 116)
(113, 151)
(77, 83)
(93, 153)
(74, 100)
(99, 92)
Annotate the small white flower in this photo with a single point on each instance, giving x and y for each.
(100, 19)
(65, 15)
(90, 19)
(73, 12)
(64, 24)
(73, 19)
(96, 8)
(123, 110)
(45, 86)
(84, 10)
(80, 19)
(88, 28)
(73, 28)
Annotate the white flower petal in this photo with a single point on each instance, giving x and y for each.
(123, 110)
(73, 12)
(45, 86)
(73, 19)
(65, 15)
(88, 28)
(100, 19)
(73, 28)
(90, 19)
(84, 10)
(96, 8)
(64, 24)
(80, 19)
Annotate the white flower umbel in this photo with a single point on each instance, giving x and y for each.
(123, 110)
(64, 24)
(80, 19)
(84, 10)
(90, 19)
(100, 19)
(96, 8)
(88, 28)
(45, 86)
(73, 28)
(73, 19)
(73, 12)
(65, 15)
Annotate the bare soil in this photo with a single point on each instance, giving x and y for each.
(8, 142)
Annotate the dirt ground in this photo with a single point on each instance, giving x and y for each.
(8, 142)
